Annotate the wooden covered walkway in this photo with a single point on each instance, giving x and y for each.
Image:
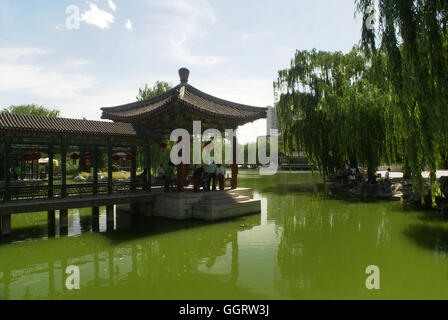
(92, 145)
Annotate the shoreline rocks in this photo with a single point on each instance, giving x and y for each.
(397, 189)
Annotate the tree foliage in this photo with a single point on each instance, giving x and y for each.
(329, 108)
(148, 92)
(385, 102)
(33, 109)
(411, 35)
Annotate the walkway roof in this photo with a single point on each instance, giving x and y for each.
(64, 126)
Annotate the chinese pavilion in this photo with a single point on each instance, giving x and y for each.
(179, 107)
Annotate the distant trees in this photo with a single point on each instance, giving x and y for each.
(33, 109)
(148, 92)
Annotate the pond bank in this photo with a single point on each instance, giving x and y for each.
(396, 189)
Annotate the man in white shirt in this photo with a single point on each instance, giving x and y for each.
(387, 177)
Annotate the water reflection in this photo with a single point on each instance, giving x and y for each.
(305, 245)
(146, 258)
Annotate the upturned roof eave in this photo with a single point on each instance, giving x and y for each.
(112, 113)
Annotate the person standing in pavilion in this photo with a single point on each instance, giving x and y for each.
(211, 176)
(220, 174)
(168, 176)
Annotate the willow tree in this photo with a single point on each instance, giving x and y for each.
(413, 36)
(329, 109)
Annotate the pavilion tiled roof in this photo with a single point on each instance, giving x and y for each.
(62, 126)
(189, 96)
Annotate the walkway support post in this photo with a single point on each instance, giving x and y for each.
(95, 210)
(6, 225)
(147, 151)
(63, 222)
(110, 217)
(51, 222)
(95, 219)
(50, 172)
(110, 179)
(63, 214)
(51, 214)
(134, 170)
(64, 170)
(6, 171)
(234, 164)
(95, 171)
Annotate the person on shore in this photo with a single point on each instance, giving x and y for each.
(198, 178)
(168, 176)
(143, 178)
(211, 176)
(352, 176)
(220, 174)
(387, 176)
(160, 172)
(18, 173)
(341, 174)
(387, 182)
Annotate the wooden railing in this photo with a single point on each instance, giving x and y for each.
(35, 192)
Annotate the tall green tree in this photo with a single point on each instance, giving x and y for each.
(329, 109)
(412, 36)
(33, 109)
(148, 92)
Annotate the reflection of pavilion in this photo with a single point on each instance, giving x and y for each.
(150, 262)
(138, 126)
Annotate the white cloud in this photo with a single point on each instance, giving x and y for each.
(89, 105)
(250, 90)
(13, 54)
(97, 17)
(112, 6)
(36, 79)
(77, 63)
(182, 24)
(128, 24)
(254, 35)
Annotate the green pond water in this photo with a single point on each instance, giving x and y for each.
(305, 244)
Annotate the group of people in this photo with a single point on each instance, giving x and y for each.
(166, 174)
(349, 174)
(204, 176)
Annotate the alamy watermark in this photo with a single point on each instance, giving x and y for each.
(73, 20)
(73, 281)
(373, 280)
(180, 153)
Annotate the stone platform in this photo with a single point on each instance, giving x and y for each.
(210, 206)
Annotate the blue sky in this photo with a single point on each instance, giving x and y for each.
(233, 49)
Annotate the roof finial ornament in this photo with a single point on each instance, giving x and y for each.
(184, 73)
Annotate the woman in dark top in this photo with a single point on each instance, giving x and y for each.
(198, 178)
